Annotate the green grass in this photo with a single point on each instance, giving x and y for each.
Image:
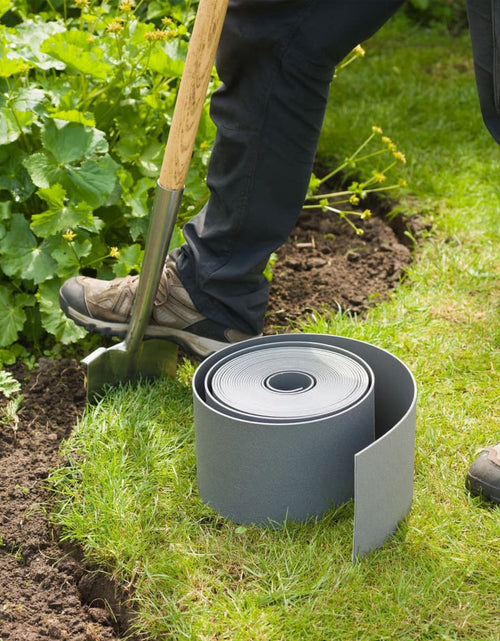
(128, 495)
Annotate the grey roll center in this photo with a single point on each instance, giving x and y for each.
(290, 382)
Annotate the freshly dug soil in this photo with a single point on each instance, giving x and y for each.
(326, 265)
(45, 590)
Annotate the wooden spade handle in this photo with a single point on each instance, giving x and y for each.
(192, 92)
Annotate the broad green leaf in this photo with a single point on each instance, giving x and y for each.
(129, 258)
(73, 115)
(16, 243)
(206, 128)
(27, 99)
(150, 159)
(43, 169)
(21, 256)
(13, 123)
(17, 112)
(138, 198)
(5, 5)
(12, 316)
(15, 178)
(138, 227)
(195, 187)
(69, 255)
(72, 141)
(61, 94)
(13, 174)
(128, 148)
(54, 197)
(53, 319)
(5, 207)
(60, 215)
(162, 62)
(11, 67)
(38, 264)
(156, 10)
(77, 51)
(5, 214)
(65, 143)
(25, 40)
(15, 353)
(92, 183)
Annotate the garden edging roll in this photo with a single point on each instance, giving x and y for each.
(290, 425)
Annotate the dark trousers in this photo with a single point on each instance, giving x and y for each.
(484, 24)
(276, 61)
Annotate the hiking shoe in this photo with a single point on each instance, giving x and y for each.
(105, 307)
(483, 478)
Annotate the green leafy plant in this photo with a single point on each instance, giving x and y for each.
(10, 388)
(378, 158)
(86, 95)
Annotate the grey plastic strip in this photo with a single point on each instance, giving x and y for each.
(258, 464)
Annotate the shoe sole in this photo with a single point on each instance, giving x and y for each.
(197, 346)
(485, 491)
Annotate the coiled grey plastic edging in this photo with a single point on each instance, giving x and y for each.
(253, 472)
(284, 382)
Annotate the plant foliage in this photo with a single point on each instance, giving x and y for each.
(451, 13)
(86, 96)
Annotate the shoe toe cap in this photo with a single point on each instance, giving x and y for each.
(72, 297)
(484, 477)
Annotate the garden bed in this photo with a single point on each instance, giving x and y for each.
(47, 592)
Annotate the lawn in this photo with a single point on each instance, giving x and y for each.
(129, 496)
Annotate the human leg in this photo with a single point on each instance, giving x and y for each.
(276, 61)
(483, 477)
(484, 25)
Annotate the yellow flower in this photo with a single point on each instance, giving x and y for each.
(379, 176)
(366, 215)
(114, 252)
(359, 51)
(354, 200)
(167, 22)
(377, 130)
(390, 145)
(398, 155)
(115, 27)
(126, 5)
(69, 235)
(402, 182)
(82, 4)
(158, 34)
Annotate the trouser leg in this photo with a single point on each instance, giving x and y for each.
(276, 60)
(484, 23)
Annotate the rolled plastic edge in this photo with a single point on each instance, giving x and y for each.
(383, 469)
